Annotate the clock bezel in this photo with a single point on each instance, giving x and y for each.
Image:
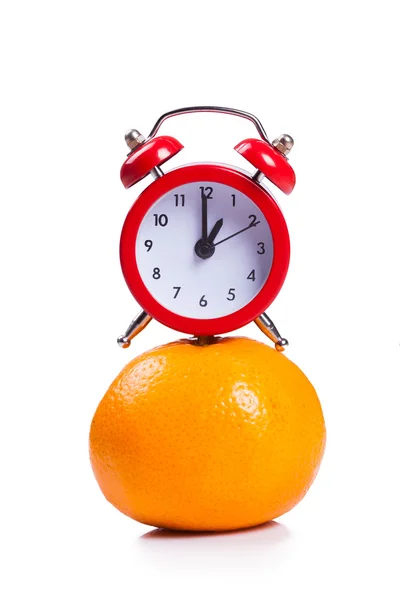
(218, 174)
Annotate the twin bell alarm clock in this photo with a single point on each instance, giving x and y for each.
(205, 247)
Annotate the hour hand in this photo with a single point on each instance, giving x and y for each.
(215, 231)
(205, 248)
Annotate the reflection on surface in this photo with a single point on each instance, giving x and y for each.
(246, 548)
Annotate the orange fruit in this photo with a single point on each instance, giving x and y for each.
(222, 436)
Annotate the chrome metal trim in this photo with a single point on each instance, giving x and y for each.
(266, 325)
(211, 109)
(138, 324)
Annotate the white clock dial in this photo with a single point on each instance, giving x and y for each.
(233, 270)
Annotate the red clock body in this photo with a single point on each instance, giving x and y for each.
(205, 249)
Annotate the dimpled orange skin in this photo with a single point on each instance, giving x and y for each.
(216, 437)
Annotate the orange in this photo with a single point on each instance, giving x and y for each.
(222, 436)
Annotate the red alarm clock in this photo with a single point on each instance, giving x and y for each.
(205, 248)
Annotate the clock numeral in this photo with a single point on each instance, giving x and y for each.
(252, 275)
(179, 199)
(207, 192)
(231, 294)
(233, 199)
(254, 221)
(178, 289)
(161, 220)
(149, 245)
(156, 273)
(262, 248)
(203, 302)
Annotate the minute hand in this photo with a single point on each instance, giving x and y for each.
(237, 233)
(204, 225)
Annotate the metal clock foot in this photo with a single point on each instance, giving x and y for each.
(267, 326)
(138, 324)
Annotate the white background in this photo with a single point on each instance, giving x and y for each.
(75, 76)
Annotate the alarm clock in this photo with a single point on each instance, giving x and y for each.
(205, 247)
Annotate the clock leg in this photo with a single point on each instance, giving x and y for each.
(138, 324)
(267, 326)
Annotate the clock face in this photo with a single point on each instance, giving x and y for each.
(204, 250)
